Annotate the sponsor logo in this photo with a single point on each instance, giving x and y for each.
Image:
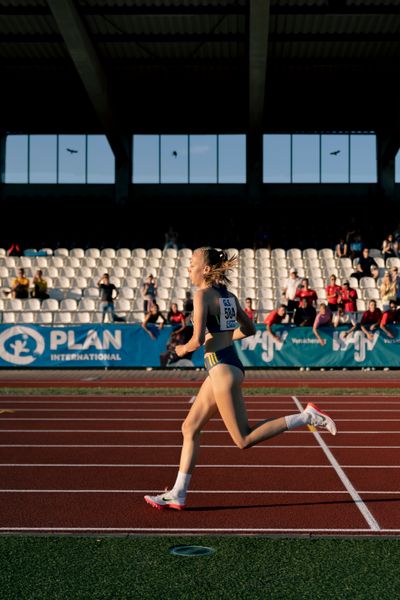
(268, 344)
(21, 345)
(357, 340)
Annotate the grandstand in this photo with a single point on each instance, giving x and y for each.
(234, 67)
(72, 276)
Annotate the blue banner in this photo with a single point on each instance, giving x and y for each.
(124, 346)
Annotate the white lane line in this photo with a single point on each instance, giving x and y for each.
(146, 431)
(184, 410)
(164, 420)
(126, 491)
(195, 530)
(245, 492)
(211, 466)
(231, 446)
(373, 524)
(184, 401)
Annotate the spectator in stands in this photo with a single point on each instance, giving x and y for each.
(292, 286)
(155, 318)
(275, 317)
(108, 293)
(363, 268)
(176, 318)
(15, 249)
(323, 319)
(371, 319)
(354, 243)
(375, 272)
(188, 305)
(394, 274)
(20, 286)
(305, 313)
(389, 317)
(249, 310)
(342, 318)
(171, 239)
(348, 298)
(389, 247)
(341, 248)
(387, 290)
(39, 286)
(149, 292)
(304, 291)
(332, 293)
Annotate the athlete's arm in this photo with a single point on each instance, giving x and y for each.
(246, 325)
(199, 325)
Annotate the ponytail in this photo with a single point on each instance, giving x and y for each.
(220, 263)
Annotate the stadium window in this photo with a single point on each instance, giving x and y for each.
(397, 168)
(72, 159)
(174, 159)
(363, 158)
(231, 159)
(203, 159)
(146, 159)
(42, 159)
(100, 160)
(305, 158)
(277, 158)
(16, 159)
(335, 158)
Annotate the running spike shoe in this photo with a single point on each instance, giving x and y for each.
(319, 418)
(166, 500)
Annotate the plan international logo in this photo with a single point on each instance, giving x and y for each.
(21, 345)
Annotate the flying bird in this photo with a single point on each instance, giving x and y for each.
(72, 151)
(335, 152)
(174, 154)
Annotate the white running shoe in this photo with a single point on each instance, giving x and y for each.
(166, 500)
(319, 418)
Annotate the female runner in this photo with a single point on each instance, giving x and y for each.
(216, 316)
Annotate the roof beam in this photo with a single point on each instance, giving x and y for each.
(258, 48)
(90, 70)
(331, 9)
(195, 38)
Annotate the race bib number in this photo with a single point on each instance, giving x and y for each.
(227, 314)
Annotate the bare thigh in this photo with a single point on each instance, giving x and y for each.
(226, 384)
(203, 409)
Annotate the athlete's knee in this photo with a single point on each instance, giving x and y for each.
(189, 429)
(242, 443)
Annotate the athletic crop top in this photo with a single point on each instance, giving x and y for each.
(226, 320)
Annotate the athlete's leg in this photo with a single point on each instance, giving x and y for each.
(226, 384)
(203, 409)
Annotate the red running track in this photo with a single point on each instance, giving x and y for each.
(83, 463)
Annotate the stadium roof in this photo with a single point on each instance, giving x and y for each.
(199, 66)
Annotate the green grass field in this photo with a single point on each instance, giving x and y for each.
(243, 567)
(142, 568)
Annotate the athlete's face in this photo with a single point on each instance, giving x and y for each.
(197, 268)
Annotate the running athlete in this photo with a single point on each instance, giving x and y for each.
(219, 320)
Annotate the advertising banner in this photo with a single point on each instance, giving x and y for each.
(125, 345)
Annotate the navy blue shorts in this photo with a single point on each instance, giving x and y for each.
(225, 356)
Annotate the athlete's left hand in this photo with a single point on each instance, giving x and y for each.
(180, 350)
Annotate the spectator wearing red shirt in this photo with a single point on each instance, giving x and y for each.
(348, 297)
(249, 310)
(370, 320)
(306, 292)
(389, 317)
(274, 318)
(333, 293)
(323, 319)
(176, 318)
